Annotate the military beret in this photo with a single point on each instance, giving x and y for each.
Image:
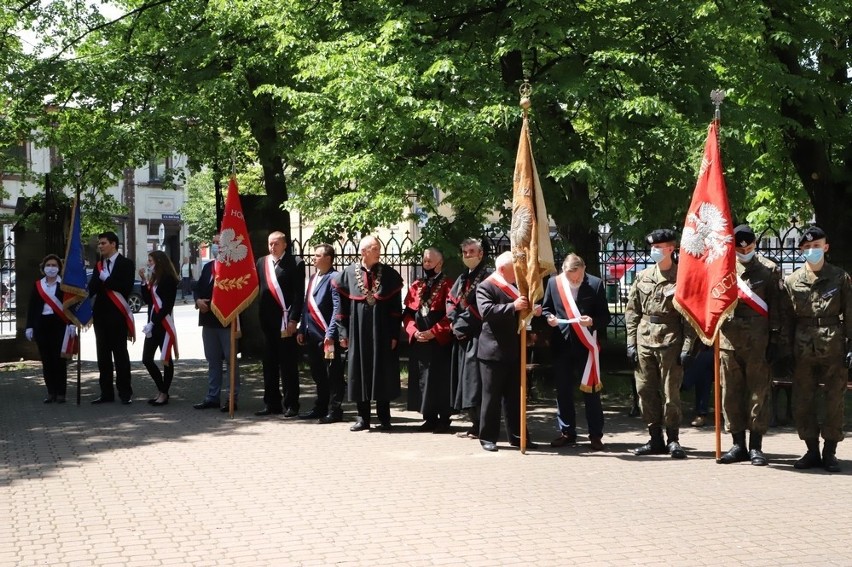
(661, 235)
(811, 233)
(743, 236)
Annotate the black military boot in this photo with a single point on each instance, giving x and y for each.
(829, 461)
(673, 446)
(738, 453)
(755, 453)
(655, 446)
(811, 458)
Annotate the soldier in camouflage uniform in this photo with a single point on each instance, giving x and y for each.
(658, 345)
(820, 325)
(748, 343)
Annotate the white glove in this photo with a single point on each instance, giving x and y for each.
(103, 275)
(29, 334)
(146, 330)
(72, 330)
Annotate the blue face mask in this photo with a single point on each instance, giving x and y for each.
(743, 258)
(214, 250)
(657, 255)
(813, 255)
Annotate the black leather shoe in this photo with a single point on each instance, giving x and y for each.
(291, 413)
(442, 427)
(330, 418)
(652, 447)
(675, 450)
(206, 404)
(427, 426)
(757, 458)
(267, 411)
(736, 454)
(102, 400)
(226, 409)
(809, 460)
(489, 446)
(49, 400)
(313, 414)
(126, 402)
(360, 425)
(385, 426)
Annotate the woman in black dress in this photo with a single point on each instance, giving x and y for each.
(159, 292)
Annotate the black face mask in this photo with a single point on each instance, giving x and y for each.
(430, 273)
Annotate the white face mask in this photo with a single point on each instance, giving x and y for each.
(743, 258)
(471, 263)
(657, 255)
(51, 271)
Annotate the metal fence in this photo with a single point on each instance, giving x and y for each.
(8, 293)
(620, 261)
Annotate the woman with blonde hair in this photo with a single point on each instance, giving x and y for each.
(159, 291)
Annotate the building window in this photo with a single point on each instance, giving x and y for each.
(157, 168)
(15, 158)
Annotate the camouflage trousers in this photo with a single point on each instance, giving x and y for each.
(659, 376)
(746, 383)
(808, 372)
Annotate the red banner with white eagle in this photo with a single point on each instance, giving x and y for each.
(706, 290)
(236, 283)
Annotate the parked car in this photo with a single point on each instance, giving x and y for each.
(135, 298)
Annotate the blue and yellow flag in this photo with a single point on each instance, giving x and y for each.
(76, 303)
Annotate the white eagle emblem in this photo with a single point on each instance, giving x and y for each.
(231, 247)
(705, 233)
(521, 231)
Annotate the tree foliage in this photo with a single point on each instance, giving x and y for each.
(359, 111)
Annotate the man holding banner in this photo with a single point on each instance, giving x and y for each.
(575, 302)
(748, 343)
(111, 284)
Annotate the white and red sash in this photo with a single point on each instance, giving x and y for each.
(272, 284)
(747, 296)
(504, 286)
(69, 341)
(591, 381)
(122, 305)
(170, 339)
(313, 308)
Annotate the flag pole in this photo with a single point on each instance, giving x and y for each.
(525, 103)
(79, 328)
(717, 96)
(232, 365)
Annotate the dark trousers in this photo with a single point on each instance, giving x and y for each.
(162, 380)
(382, 411)
(280, 372)
(51, 332)
(328, 376)
(500, 387)
(568, 372)
(111, 344)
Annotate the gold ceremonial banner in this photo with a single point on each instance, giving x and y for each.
(530, 235)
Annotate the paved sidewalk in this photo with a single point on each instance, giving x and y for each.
(138, 486)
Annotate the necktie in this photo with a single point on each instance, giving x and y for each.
(107, 266)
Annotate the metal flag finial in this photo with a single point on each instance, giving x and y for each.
(525, 91)
(717, 96)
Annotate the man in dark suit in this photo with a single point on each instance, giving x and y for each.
(498, 302)
(111, 284)
(580, 298)
(318, 334)
(282, 292)
(216, 339)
